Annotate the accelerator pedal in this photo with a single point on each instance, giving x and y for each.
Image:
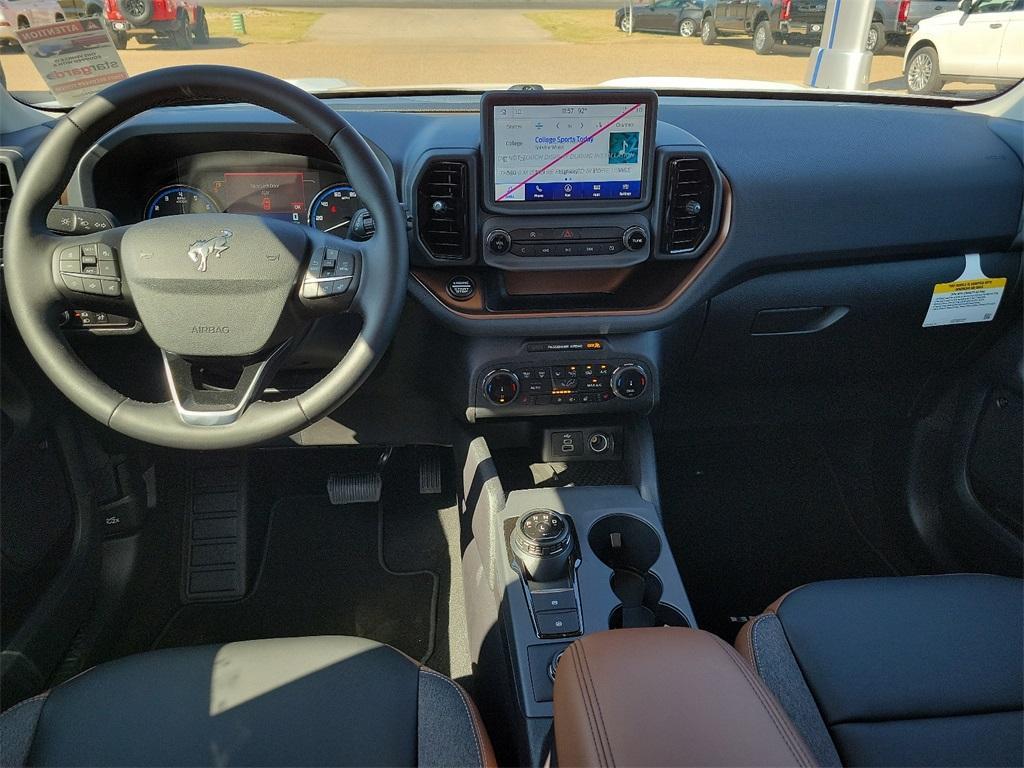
(361, 488)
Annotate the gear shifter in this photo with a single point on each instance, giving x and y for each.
(542, 542)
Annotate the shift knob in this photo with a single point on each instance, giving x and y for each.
(543, 543)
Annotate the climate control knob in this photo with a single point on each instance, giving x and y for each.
(501, 387)
(629, 381)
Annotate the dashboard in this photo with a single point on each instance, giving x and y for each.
(728, 250)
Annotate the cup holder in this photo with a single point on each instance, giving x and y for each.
(629, 546)
(662, 616)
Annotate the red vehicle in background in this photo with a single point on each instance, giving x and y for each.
(181, 21)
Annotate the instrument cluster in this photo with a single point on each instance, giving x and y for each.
(319, 198)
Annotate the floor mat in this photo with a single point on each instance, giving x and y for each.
(749, 519)
(323, 573)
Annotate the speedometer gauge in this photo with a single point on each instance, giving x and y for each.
(333, 209)
(177, 199)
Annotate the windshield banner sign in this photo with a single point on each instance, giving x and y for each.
(75, 58)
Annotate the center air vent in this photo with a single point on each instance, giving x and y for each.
(442, 209)
(6, 192)
(689, 204)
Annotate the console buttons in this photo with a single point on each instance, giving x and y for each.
(554, 600)
(558, 623)
(92, 285)
(461, 288)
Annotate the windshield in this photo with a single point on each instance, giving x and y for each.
(940, 48)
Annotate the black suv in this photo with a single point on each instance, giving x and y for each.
(769, 21)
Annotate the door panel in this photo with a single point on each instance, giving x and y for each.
(1011, 55)
(972, 47)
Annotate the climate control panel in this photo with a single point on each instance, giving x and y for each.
(604, 384)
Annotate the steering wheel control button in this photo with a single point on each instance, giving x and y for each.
(81, 265)
(461, 288)
(499, 241)
(92, 285)
(629, 382)
(329, 273)
(501, 387)
(634, 238)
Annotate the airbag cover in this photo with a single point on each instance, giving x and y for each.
(212, 284)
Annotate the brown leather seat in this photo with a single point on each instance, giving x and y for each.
(667, 697)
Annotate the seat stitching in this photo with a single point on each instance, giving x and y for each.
(597, 702)
(794, 746)
(587, 707)
(21, 704)
(465, 705)
(752, 641)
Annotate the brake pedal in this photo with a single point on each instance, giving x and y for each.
(430, 473)
(361, 488)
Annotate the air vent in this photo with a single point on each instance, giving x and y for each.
(442, 210)
(690, 196)
(6, 191)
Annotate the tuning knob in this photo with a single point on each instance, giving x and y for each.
(629, 381)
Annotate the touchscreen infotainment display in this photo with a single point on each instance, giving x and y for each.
(569, 152)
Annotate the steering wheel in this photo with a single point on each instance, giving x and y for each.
(211, 290)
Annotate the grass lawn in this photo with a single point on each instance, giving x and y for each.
(578, 26)
(263, 25)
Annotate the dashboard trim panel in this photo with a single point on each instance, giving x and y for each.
(553, 283)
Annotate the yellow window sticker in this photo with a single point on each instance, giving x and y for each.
(971, 298)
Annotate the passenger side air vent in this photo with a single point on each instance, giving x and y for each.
(689, 204)
(6, 192)
(442, 209)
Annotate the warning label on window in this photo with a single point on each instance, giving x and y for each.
(75, 58)
(971, 298)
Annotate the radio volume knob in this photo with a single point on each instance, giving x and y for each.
(629, 381)
(634, 238)
(499, 241)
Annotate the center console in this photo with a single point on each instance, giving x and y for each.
(567, 541)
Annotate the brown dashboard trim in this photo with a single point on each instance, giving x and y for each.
(679, 274)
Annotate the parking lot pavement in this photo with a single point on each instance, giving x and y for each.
(389, 47)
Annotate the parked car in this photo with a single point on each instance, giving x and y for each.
(678, 17)
(770, 22)
(77, 9)
(181, 21)
(22, 14)
(893, 20)
(982, 42)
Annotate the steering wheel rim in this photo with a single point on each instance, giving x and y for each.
(37, 302)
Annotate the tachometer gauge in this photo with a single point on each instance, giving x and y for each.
(333, 209)
(177, 199)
